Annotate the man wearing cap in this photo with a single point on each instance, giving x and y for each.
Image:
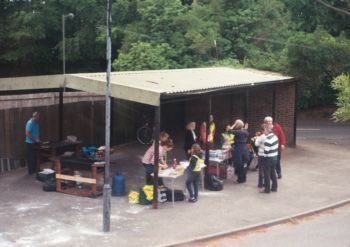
(32, 138)
(278, 131)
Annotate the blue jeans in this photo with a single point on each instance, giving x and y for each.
(193, 180)
(149, 169)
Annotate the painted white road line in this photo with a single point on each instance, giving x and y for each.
(309, 129)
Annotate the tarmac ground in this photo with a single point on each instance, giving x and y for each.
(315, 174)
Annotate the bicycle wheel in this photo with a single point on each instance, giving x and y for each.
(144, 135)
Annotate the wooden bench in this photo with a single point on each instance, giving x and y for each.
(93, 192)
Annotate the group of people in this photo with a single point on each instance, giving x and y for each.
(268, 144)
(270, 141)
(203, 140)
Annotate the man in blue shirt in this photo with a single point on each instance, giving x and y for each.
(32, 137)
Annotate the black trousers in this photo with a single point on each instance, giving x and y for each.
(239, 162)
(278, 164)
(261, 171)
(31, 158)
(270, 174)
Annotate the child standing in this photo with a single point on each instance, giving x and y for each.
(193, 172)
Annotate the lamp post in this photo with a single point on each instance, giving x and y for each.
(60, 97)
(107, 186)
(70, 15)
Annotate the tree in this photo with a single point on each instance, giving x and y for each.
(308, 15)
(340, 10)
(342, 84)
(145, 56)
(316, 58)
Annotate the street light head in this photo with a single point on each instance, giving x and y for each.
(70, 15)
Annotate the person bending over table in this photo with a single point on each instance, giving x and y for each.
(193, 172)
(148, 160)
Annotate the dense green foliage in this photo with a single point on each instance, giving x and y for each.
(305, 39)
(342, 85)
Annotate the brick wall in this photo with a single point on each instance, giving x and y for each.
(228, 108)
(285, 109)
(259, 106)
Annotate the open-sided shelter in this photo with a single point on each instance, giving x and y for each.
(227, 93)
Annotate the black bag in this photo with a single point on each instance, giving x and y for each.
(143, 198)
(162, 196)
(178, 195)
(213, 183)
(49, 185)
(44, 177)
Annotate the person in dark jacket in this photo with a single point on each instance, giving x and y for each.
(239, 154)
(193, 171)
(190, 138)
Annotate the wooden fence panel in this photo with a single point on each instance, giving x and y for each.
(2, 133)
(86, 120)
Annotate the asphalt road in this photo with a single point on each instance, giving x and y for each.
(329, 228)
(324, 131)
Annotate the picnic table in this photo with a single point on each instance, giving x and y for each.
(173, 174)
(46, 150)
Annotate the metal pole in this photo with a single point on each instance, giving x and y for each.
(60, 115)
(246, 105)
(70, 15)
(208, 131)
(63, 46)
(216, 50)
(273, 115)
(295, 113)
(113, 105)
(156, 156)
(106, 186)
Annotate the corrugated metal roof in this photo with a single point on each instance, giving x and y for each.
(148, 86)
(186, 80)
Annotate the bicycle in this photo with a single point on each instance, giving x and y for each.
(144, 134)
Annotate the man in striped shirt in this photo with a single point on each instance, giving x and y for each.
(277, 129)
(270, 159)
